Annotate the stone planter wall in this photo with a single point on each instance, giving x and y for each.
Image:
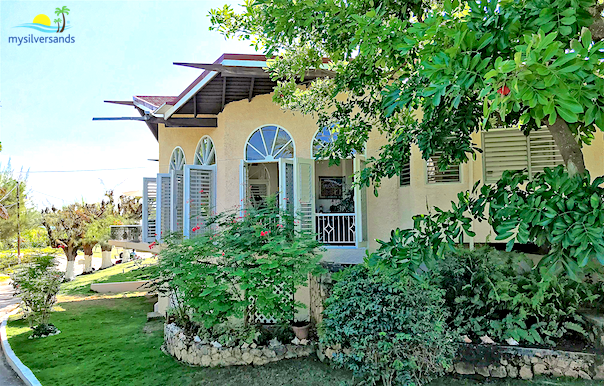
(517, 362)
(197, 353)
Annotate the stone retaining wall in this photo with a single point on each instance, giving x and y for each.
(198, 353)
(517, 362)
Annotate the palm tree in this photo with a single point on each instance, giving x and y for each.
(62, 11)
(58, 21)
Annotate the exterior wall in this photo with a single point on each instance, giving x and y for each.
(394, 206)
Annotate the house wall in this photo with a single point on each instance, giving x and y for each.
(392, 208)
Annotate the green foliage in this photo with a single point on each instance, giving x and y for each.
(37, 284)
(430, 73)
(553, 210)
(388, 327)
(241, 265)
(501, 295)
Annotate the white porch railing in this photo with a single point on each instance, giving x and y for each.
(336, 228)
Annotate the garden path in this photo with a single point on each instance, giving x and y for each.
(7, 303)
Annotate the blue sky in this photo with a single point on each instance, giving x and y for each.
(49, 93)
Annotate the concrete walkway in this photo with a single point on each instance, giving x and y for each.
(7, 304)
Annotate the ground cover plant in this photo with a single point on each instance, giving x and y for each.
(107, 341)
(245, 264)
(502, 295)
(387, 328)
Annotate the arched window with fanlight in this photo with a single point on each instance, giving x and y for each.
(177, 159)
(269, 143)
(205, 154)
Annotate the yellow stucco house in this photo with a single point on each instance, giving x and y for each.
(223, 142)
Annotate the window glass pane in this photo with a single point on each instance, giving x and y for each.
(253, 155)
(269, 133)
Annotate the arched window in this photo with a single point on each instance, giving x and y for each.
(269, 143)
(177, 159)
(205, 153)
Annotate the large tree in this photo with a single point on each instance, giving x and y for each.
(67, 227)
(433, 73)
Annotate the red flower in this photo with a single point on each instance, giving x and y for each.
(505, 90)
(152, 245)
(264, 233)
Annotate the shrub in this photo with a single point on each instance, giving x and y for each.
(243, 265)
(37, 283)
(502, 295)
(391, 328)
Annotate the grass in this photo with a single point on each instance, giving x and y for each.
(121, 272)
(107, 341)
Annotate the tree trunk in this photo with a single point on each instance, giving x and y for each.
(70, 270)
(63, 29)
(568, 146)
(106, 262)
(87, 263)
(71, 254)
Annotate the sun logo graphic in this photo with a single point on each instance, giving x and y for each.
(42, 22)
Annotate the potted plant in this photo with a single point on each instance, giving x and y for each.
(301, 329)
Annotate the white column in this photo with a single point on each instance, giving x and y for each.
(106, 262)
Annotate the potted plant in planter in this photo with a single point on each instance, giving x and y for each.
(301, 329)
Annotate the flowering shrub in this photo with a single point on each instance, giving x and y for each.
(241, 266)
(37, 284)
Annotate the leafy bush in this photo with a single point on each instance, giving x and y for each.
(553, 210)
(37, 283)
(502, 295)
(241, 266)
(390, 328)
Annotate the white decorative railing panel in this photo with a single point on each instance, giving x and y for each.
(336, 228)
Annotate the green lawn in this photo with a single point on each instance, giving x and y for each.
(120, 272)
(108, 342)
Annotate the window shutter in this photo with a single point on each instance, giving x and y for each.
(510, 149)
(176, 205)
(149, 206)
(304, 199)
(405, 174)
(543, 152)
(503, 150)
(163, 212)
(452, 174)
(199, 198)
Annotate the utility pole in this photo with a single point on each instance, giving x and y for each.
(18, 222)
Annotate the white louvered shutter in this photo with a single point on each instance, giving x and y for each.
(434, 175)
(149, 206)
(304, 193)
(164, 201)
(543, 152)
(510, 149)
(199, 198)
(286, 185)
(176, 205)
(504, 149)
(243, 196)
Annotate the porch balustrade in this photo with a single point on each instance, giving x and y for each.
(126, 233)
(336, 228)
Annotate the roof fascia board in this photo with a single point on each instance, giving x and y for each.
(190, 94)
(244, 63)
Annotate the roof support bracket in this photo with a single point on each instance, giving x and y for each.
(195, 106)
(223, 92)
(251, 94)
